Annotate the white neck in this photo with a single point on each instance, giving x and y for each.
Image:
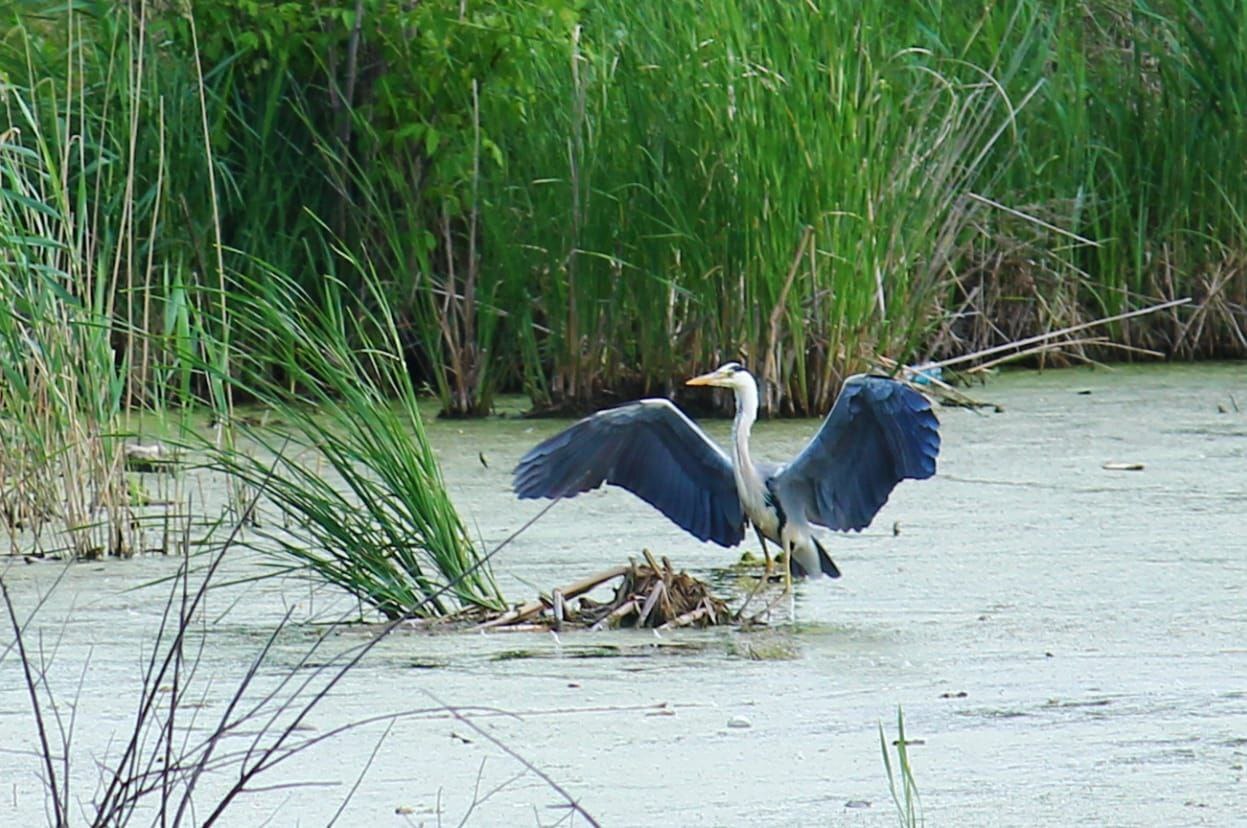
(746, 413)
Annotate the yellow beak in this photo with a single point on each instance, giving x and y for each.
(704, 379)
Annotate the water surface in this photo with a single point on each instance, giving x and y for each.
(1069, 643)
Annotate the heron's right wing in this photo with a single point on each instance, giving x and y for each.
(651, 449)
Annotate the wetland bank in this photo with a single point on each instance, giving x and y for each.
(1065, 640)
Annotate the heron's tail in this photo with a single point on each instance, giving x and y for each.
(824, 560)
(825, 563)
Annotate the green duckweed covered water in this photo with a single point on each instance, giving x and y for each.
(1069, 643)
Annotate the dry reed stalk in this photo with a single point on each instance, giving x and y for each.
(1047, 337)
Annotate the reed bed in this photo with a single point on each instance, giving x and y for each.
(779, 185)
(121, 305)
(97, 294)
(968, 177)
(62, 479)
(593, 201)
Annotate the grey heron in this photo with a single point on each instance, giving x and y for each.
(878, 433)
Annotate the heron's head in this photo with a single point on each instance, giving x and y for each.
(729, 375)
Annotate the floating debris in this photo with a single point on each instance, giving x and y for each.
(924, 374)
(151, 458)
(931, 380)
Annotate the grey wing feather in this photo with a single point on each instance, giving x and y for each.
(878, 433)
(651, 449)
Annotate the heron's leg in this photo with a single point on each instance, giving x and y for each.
(792, 596)
(766, 554)
(786, 592)
(762, 582)
(789, 548)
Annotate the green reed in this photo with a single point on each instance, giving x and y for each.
(686, 149)
(63, 348)
(344, 459)
(588, 201)
(901, 783)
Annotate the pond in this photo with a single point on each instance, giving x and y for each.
(1068, 644)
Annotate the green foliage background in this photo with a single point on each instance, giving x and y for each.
(584, 198)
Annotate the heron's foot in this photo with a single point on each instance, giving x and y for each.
(770, 575)
(753, 593)
(763, 615)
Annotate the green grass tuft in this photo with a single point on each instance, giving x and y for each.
(901, 782)
(346, 462)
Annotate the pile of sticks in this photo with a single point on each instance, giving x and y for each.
(650, 594)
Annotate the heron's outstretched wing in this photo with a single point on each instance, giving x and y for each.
(878, 433)
(651, 449)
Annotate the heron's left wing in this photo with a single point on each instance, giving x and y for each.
(878, 433)
(651, 449)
